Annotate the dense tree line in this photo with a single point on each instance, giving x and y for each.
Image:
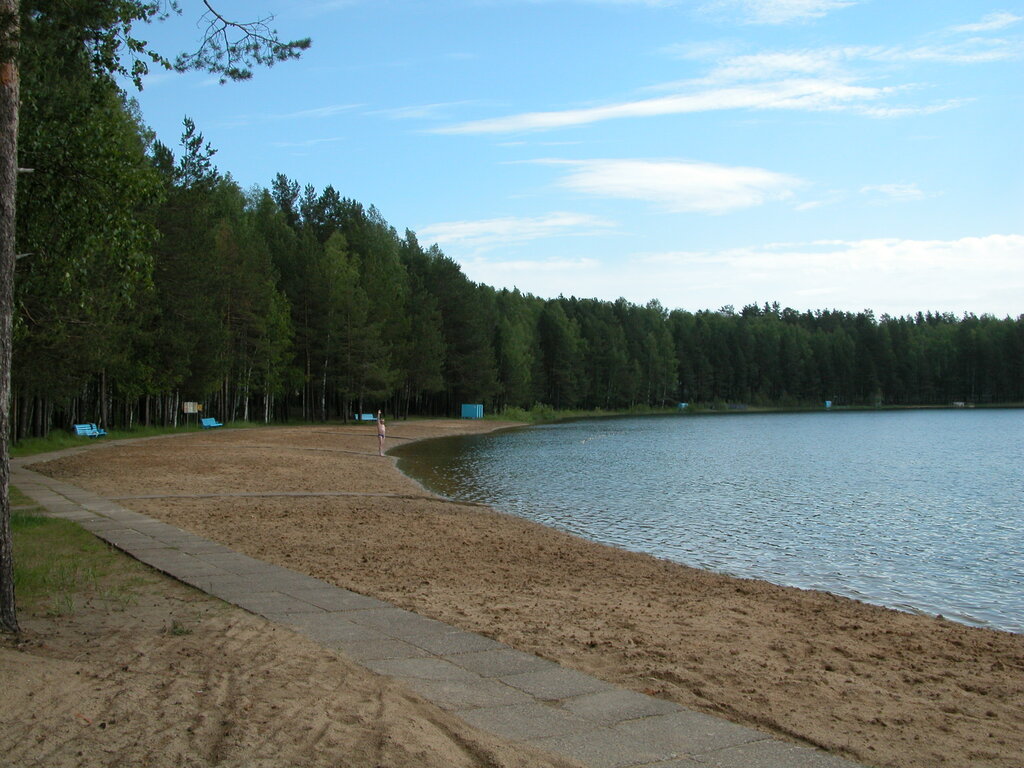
(168, 283)
(148, 278)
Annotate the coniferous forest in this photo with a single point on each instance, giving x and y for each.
(147, 278)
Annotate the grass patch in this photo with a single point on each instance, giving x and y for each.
(59, 567)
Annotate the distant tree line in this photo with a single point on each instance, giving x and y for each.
(146, 278)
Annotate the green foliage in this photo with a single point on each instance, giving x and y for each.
(231, 48)
(84, 217)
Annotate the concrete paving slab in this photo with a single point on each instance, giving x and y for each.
(224, 585)
(124, 515)
(525, 722)
(427, 668)
(456, 695)
(175, 563)
(128, 537)
(376, 650)
(610, 707)
(335, 599)
(603, 748)
(500, 662)
(556, 683)
(689, 733)
(400, 623)
(142, 543)
(272, 603)
(283, 579)
(234, 562)
(454, 642)
(194, 546)
(99, 525)
(105, 508)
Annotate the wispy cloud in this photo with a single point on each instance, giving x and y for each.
(795, 94)
(778, 11)
(677, 186)
(316, 113)
(307, 142)
(436, 111)
(819, 79)
(894, 192)
(991, 23)
(483, 234)
(822, 79)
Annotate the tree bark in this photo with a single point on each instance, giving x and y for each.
(9, 98)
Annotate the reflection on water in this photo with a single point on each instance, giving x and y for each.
(917, 510)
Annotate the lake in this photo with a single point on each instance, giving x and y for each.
(919, 510)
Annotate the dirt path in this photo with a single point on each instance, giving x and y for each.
(882, 687)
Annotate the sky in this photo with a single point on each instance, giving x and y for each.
(822, 154)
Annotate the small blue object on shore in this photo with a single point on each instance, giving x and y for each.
(683, 406)
(472, 411)
(828, 404)
(365, 417)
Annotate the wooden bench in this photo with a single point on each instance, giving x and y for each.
(89, 430)
(209, 423)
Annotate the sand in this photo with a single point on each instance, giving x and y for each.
(878, 686)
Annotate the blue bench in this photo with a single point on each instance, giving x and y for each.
(209, 423)
(89, 430)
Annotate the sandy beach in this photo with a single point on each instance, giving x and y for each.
(878, 686)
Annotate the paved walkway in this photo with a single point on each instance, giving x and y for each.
(490, 685)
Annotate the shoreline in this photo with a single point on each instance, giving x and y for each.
(901, 603)
(878, 685)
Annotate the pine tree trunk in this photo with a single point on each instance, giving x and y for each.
(8, 186)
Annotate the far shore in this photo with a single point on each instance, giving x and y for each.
(878, 686)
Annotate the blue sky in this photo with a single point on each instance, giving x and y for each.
(825, 154)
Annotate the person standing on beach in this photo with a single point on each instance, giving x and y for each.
(380, 434)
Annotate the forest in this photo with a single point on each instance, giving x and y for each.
(147, 278)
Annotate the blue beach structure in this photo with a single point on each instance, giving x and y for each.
(472, 411)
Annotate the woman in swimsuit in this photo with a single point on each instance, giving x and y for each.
(380, 434)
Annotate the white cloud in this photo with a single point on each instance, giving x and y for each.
(779, 64)
(888, 275)
(816, 79)
(897, 276)
(990, 23)
(895, 192)
(976, 50)
(483, 234)
(677, 186)
(308, 142)
(803, 94)
(315, 113)
(780, 11)
(419, 111)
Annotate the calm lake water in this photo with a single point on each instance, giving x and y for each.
(917, 510)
